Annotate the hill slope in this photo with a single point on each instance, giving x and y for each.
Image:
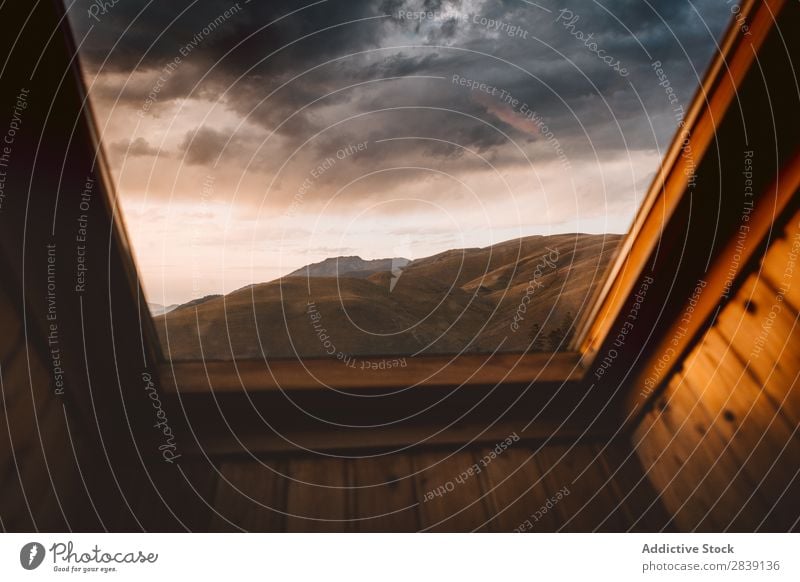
(518, 295)
(351, 266)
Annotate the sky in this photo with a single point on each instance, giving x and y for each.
(249, 139)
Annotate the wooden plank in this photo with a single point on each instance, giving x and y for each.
(316, 374)
(613, 490)
(763, 332)
(755, 428)
(384, 494)
(710, 465)
(591, 504)
(519, 493)
(317, 498)
(784, 511)
(748, 421)
(387, 437)
(459, 506)
(663, 458)
(641, 505)
(250, 496)
(780, 265)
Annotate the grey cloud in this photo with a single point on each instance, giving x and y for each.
(139, 147)
(206, 146)
(587, 106)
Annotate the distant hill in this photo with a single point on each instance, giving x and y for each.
(197, 301)
(350, 266)
(519, 295)
(158, 309)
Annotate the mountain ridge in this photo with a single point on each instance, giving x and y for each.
(519, 295)
(352, 265)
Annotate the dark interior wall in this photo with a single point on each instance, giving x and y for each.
(722, 443)
(41, 471)
(77, 444)
(41, 485)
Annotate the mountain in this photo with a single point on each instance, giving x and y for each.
(350, 266)
(158, 309)
(520, 295)
(197, 301)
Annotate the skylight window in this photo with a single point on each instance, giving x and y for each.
(400, 179)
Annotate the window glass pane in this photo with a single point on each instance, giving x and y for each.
(385, 177)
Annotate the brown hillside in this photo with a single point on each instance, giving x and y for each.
(459, 300)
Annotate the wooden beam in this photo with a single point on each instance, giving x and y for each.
(716, 95)
(378, 373)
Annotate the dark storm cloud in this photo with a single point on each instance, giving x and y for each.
(545, 66)
(206, 146)
(151, 33)
(203, 146)
(139, 147)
